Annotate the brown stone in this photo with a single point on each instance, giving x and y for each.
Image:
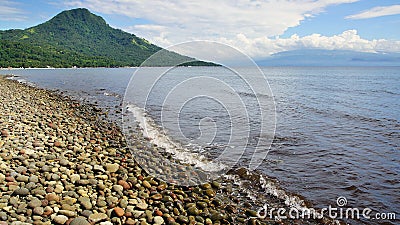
(158, 213)
(124, 184)
(119, 211)
(57, 144)
(157, 196)
(52, 197)
(10, 179)
(4, 133)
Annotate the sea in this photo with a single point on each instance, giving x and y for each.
(336, 130)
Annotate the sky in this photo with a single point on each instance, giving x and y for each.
(259, 28)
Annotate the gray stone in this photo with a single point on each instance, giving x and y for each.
(118, 188)
(35, 202)
(50, 157)
(142, 205)
(60, 219)
(46, 168)
(101, 203)
(111, 199)
(55, 177)
(22, 178)
(123, 203)
(67, 213)
(38, 211)
(21, 169)
(97, 217)
(3, 216)
(64, 162)
(79, 221)
(33, 179)
(21, 191)
(85, 202)
(86, 213)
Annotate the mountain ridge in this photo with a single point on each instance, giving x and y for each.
(79, 38)
(321, 57)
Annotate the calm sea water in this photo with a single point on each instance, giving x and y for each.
(337, 134)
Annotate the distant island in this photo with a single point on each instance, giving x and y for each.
(79, 38)
(321, 57)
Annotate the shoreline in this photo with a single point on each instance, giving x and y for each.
(62, 162)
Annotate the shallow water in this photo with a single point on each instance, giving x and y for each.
(338, 129)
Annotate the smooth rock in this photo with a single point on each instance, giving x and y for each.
(52, 197)
(38, 211)
(142, 205)
(60, 219)
(146, 184)
(97, 217)
(85, 202)
(124, 184)
(35, 202)
(74, 178)
(112, 168)
(79, 221)
(119, 211)
(158, 220)
(21, 191)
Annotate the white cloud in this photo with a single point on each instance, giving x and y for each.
(252, 26)
(377, 12)
(189, 19)
(348, 40)
(10, 12)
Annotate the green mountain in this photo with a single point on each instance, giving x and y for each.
(79, 38)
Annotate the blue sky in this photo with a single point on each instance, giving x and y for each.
(257, 27)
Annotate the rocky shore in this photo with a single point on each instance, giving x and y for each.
(62, 162)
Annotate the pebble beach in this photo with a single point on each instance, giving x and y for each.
(63, 162)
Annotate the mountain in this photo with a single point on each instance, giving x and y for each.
(78, 38)
(317, 57)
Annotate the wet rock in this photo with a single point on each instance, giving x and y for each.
(210, 192)
(193, 211)
(146, 184)
(183, 219)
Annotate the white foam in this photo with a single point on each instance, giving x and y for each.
(160, 139)
(21, 80)
(111, 94)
